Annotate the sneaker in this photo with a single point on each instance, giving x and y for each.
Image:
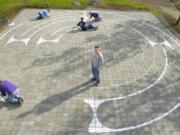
(20, 101)
(97, 83)
(93, 79)
(96, 28)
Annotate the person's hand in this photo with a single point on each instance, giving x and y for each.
(2, 99)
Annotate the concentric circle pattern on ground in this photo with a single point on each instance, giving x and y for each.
(139, 93)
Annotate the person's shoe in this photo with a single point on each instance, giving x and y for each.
(96, 28)
(97, 83)
(20, 101)
(93, 79)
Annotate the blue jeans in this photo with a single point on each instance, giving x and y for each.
(14, 97)
(90, 26)
(96, 74)
(98, 19)
(39, 16)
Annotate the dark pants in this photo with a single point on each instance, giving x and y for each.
(96, 74)
(98, 19)
(88, 27)
(39, 16)
(177, 22)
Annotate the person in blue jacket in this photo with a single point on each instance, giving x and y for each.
(43, 14)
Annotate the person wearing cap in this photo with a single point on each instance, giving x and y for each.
(95, 15)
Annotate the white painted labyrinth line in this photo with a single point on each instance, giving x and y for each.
(158, 29)
(59, 30)
(14, 28)
(138, 32)
(56, 40)
(97, 127)
(42, 40)
(143, 90)
(165, 42)
(153, 43)
(26, 40)
(2, 36)
(47, 22)
(149, 68)
(11, 24)
(13, 39)
(106, 40)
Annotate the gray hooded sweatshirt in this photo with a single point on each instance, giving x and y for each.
(97, 60)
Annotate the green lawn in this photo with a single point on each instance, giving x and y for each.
(10, 5)
(49, 3)
(124, 3)
(7, 5)
(84, 3)
(55, 3)
(131, 4)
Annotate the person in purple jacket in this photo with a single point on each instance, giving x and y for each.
(11, 90)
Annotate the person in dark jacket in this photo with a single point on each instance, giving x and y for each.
(95, 15)
(86, 26)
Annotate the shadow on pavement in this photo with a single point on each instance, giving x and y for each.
(56, 100)
(9, 106)
(117, 47)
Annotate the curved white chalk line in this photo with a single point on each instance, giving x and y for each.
(172, 39)
(42, 40)
(59, 30)
(141, 125)
(26, 40)
(140, 91)
(14, 28)
(161, 31)
(158, 29)
(143, 52)
(97, 127)
(46, 22)
(150, 86)
(165, 42)
(10, 30)
(19, 25)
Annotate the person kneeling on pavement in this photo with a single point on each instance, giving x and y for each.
(10, 90)
(43, 14)
(86, 26)
(95, 15)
